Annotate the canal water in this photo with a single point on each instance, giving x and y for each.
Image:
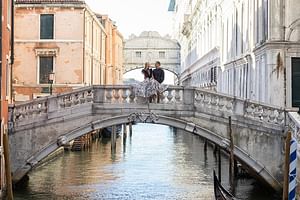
(157, 162)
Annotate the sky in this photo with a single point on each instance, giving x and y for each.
(136, 16)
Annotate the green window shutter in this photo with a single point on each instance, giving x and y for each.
(46, 26)
(46, 66)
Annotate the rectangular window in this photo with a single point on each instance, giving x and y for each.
(46, 26)
(162, 54)
(211, 73)
(46, 66)
(215, 75)
(138, 54)
(295, 82)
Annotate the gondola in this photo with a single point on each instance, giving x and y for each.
(220, 192)
(106, 132)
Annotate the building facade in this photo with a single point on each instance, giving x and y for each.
(63, 37)
(113, 70)
(149, 46)
(6, 56)
(250, 49)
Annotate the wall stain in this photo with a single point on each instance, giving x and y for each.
(279, 65)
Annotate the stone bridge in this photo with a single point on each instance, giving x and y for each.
(41, 126)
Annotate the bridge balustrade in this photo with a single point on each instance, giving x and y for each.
(201, 100)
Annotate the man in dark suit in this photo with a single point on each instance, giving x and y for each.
(158, 75)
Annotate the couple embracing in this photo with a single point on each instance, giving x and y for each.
(151, 87)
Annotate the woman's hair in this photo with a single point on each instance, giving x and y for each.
(147, 64)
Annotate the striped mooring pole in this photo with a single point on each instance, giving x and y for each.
(292, 171)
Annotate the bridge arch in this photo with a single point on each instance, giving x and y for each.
(256, 168)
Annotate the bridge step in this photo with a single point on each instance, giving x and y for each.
(82, 142)
(78, 144)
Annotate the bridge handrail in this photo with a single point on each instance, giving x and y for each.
(92, 94)
(293, 123)
(42, 106)
(45, 99)
(238, 106)
(124, 94)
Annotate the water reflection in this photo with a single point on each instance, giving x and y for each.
(158, 162)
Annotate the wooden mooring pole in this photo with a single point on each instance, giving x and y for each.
(7, 166)
(124, 131)
(219, 164)
(205, 146)
(231, 162)
(286, 166)
(130, 129)
(124, 137)
(113, 138)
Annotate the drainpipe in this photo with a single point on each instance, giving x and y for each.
(92, 60)
(284, 77)
(83, 53)
(106, 59)
(283, 19)
(100, 57)
(12, 40)
(284, 52)
(1, 2)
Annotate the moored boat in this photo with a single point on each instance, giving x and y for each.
(220, 192)
(106, 132)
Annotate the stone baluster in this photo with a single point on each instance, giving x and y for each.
(177, 96)
(45, 107)
(258, 112)
(82, 98)
(37, 109)
(221, 103)
(281, 117)
(199, 97)
(207, 98)
(75, 98)
(131, 95)
(124, 95)
(116, 95)
(108, 95)
(68, 101)
(20, 113)
(170, 95)
(214, 102)
(266, 114)
(11, 118)
(272, 116)
(89, 95)
(29, 110)
(163, 96)
(229, 105)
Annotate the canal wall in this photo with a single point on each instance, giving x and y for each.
(253, 139)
